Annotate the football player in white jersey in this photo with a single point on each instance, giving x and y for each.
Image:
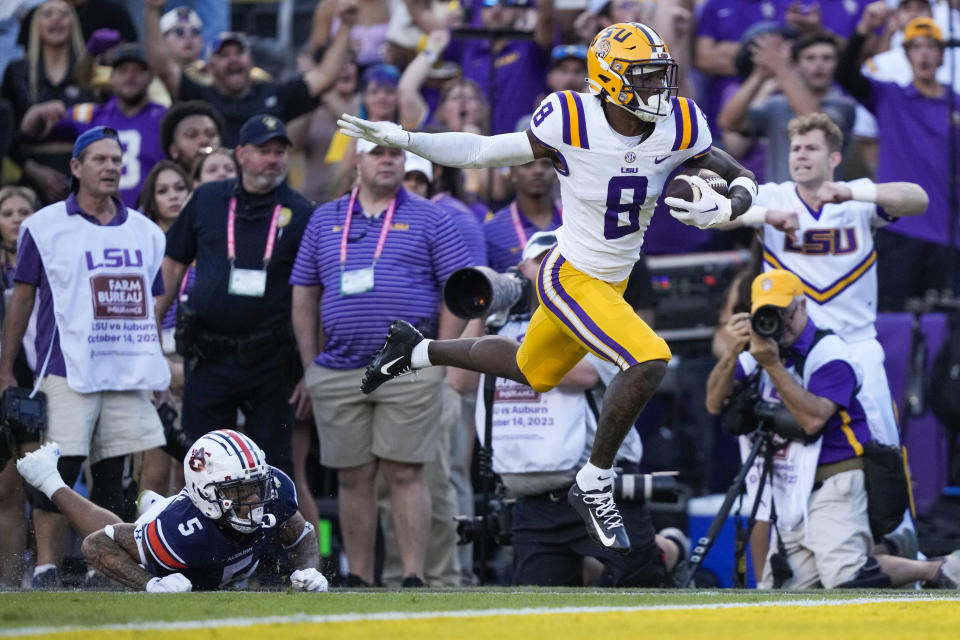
(828, 243)
(613, 149)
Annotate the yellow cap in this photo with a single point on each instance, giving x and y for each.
(922, 28)
(775, 288)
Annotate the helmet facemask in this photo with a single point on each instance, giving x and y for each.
(243, 501)
(648, 87)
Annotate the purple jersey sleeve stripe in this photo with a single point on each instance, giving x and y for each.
(559, 162)
(581, 121)
(678, 125)
(694, 125)
(565, 113)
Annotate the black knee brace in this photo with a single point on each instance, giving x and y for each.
(69, 468)
(870, 576)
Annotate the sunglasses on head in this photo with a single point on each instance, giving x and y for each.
(185, 31)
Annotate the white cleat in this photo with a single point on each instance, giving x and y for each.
(37, 467)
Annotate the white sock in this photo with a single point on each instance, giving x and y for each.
(419, 357)
(593, 478)
(52, 484)
(40, 568)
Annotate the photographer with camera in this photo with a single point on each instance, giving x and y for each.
(539, 441)
(819, 498)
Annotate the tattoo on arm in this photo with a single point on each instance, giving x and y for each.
(305, 552)
(118, 558)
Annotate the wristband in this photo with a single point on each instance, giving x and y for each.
(754, 216)
(863, 191)
(746, 183)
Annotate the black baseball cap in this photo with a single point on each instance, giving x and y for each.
(261, 129)
(131, 51)
(230, 36)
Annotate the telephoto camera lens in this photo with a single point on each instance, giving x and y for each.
(766, 322)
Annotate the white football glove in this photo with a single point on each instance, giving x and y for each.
(387, 134)
(709, 211)
(173, 583)
(308, 580)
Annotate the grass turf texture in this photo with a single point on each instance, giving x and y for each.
(574, 614)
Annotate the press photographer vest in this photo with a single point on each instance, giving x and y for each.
(795, 466)
(101, 280)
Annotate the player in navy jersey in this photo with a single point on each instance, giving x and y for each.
(210, 535)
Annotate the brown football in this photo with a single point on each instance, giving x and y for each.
(681, 187)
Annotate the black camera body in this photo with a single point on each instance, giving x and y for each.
(767, 323)
(495, 525)
(25, 416)
(745, 411)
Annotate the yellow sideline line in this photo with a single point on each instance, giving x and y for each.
(803, 620)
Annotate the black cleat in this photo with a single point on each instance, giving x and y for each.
(601, 516)
(393, 358)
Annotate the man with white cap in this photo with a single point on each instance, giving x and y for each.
(388, 256)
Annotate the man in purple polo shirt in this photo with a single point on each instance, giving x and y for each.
(129, 111)
(534, 209)
(818, 487)
(373, 255)
(510, 71)
(920, 253)
(101, 360)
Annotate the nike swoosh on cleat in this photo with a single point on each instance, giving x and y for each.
(660, 159)
(606, 541)
(385, 368)
(715, 207)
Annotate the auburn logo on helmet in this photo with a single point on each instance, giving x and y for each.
(198, 459)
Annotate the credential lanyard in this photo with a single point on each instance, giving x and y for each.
(388, 218)
(231, 238)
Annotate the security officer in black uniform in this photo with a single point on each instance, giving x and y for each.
(234, 330)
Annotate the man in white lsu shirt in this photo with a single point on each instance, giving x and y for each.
(822, 231)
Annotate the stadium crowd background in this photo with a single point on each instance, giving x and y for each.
(481, 67)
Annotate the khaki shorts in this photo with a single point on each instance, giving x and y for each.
(100, 425)
(398, 422)
(832, 545)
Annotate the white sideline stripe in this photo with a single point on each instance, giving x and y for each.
(302, 618)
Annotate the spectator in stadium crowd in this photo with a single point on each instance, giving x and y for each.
(93, 15)
(517, 65)
(803, 75)
(241, 355)
(233, 92)
(537, 462)
(533, 209)
(361, 278)
(182, 31)
(367, 31)
(16, 204)
(823, 531)
(916, 254)
(212, 535)
(98, 399)
(165, 191)
(129, 111)
(188, 129)
(214, 165)
(317, 137)
(46, 73)
(414, 110)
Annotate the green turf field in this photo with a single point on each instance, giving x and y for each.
(556, 614)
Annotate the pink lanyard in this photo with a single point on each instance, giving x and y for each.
(231, 239)
(388, 218)
(518, 226)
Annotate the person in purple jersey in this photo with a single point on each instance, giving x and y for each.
(94, 267)
(209, 536)
(129, 111)
(510, 71)
(366, 258)
(534, 209)
(918, 254)
(823, 529)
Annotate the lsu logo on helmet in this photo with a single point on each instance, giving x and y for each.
(630, 65)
